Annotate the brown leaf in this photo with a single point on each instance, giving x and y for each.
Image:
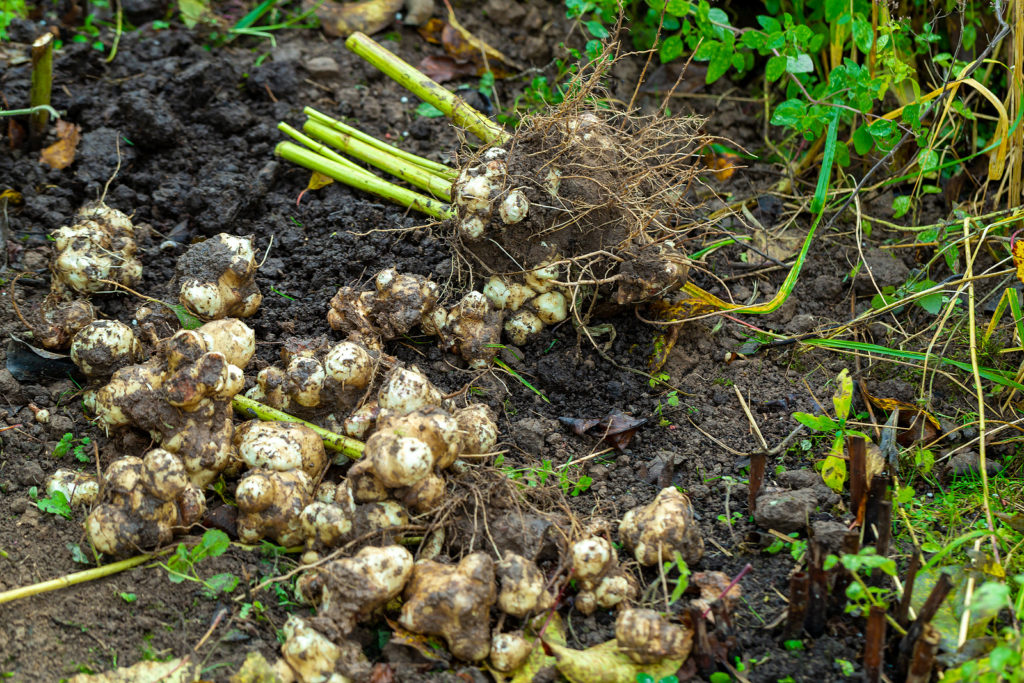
(460, 43)
(616, 428)
(441, 68)
(61, 154)
(15, 133)
(431, 31)
(579, 425)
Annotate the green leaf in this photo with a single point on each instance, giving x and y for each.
(428, 111)
(186, 319)
(789, 113)
(900, 206)
(835, 8)
(820, 191)
(930, 302)
(213, 544)
(775, 68)
(677, 8)
(881, 128)
(818, 423)
(719, 64)
(862, 140)
(801, 64)
(597, 29)
(128, 597)
(220, 583)
(769, 24)
(928, 160)
(57, 504)
(863, 36)
(670, 49)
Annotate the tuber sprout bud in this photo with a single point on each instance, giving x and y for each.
(78, 488)
(553, 181)
(359, 423)
(103, 346)
(521, 325)
(515, 207)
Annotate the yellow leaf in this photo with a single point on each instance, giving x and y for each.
(318, 180)
(11, 197)
(833, 473)
(604, 663)
(843, 396)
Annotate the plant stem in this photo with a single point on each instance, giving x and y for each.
(347, 446)
(434, 167)
(363, 180)
(42, 83)
(321, 148)
(400, 168)
(416, 82)
(72, 579)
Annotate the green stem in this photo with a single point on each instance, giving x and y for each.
(400, 168)
(322, 149)
(416, 82)
(363, 180)
(42, 84)
(434, 167)
(347, 446)
(72, 579)
(31, 110)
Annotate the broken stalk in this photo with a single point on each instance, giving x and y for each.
(413, 80)
(42, 83)
(400, 168)
(363, 180)
(347, 446)
(434, 167)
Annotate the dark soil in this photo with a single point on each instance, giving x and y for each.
(190, 133)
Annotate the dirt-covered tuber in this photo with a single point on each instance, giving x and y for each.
(99, 246)
(281, 446)
(182, 397)
(523, 587)
(145, 502)
(270, 504)
(602, 582)
(103, 346)
(310, 656)
(655, 532)
(216, 278)
(646, 637)
(397, 304)
(349, 590)
(509, 651)
(453, 602)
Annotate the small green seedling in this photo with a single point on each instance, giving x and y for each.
(68, 443)
(181, 566)
(833, 470)
(128, 597)
(57, 504)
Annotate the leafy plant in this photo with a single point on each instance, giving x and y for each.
(57, 504)
(833, 469)
(861, 595)
(181, 566)
(9, 11)
(68, 443)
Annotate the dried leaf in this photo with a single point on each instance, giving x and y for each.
(12, 197)
(460, 43)
(914, 424)
(425, 645)
(1017, 250)
(15, 133)
(431, 31)
(441, 68)
(723, 165)
(344, 19)
(579, 425)
(61, 154)
(616, 428)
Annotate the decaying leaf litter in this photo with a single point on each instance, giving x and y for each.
(190, 375)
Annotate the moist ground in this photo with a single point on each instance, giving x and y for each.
(190, 133)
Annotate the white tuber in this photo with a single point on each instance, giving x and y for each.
(407, 390)
(521, 325)
(514, 207)
(311, 655)
(281, 446)
(99, 246)
(349, 364)
(509, 651)
(551, 307)
(103, 346)
(79, 488)
(232, 337)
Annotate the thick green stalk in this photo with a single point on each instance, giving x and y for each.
(363, 180)
(72, 579)
(321, 148)
(416, 82)
(347, 446)
(400, 168)
(434, 167)
(42, 84)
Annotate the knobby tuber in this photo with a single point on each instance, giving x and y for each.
(453, 602)
(602, 582)
(655, 532)
(216, 278)
(79, 488)
(509, 651)
(99, 246)
(646, 637)
(182, 396)
(281, 446)
(523, 587)
(146, 501)
(397, 304)
(269, 505)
